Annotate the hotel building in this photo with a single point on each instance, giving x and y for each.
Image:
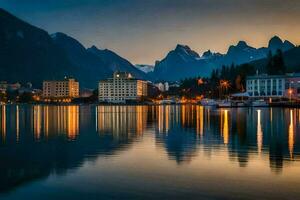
(273, 86)
(121, 88)
(63, 90)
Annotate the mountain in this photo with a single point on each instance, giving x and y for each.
(290, 57)
(242, 53)
(276, 43)
(87, 68)
(183, 62)
(28, 53)
(211, 55)
(116, 63)
(180, 63)
(145, 68)
(93, 64)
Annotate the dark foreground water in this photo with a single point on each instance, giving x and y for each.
(149, 152)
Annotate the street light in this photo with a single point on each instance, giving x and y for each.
(290, 91)
(224, 84)
(200, 81)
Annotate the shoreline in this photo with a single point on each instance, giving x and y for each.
(274, 105)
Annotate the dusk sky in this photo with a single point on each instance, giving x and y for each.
(145, 30)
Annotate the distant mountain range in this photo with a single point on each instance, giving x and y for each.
(183, 62)
(30, 54)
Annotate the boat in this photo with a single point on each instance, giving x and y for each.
(208, 102)
(241, 104)
(167, 102)
(260, 103)
(225, 104)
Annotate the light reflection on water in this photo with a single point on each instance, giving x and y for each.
(183, 151)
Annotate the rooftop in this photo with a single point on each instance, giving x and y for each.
(266, 76)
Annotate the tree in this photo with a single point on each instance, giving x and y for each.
(26, 97)
(275, 63)
(269, 66)
(238, 83)
(278, 62)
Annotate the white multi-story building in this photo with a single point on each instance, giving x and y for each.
(121, 88)
(273, 86)
(266, 85)
(61, 89)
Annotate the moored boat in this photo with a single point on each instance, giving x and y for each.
(260, 103)
(225, 104)
(208, 102)
(167, 102)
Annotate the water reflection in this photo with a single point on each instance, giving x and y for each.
(291, 135)
(240, 130)
(40, 140)
(225, 129)
(259, 132)
(121, 120)
(3, 123)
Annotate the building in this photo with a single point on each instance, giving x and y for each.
(166, 86)
(14, 86)
(292, 85)
(163, 87)
(61, 90)
(273, 86)
(121, 88)
(3, 86)
(85, 92)
(265, 85)
(160, 86)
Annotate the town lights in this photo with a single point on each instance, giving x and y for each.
(200, 81)
(224, 84)
(290, 91)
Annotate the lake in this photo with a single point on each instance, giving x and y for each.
(149, 152)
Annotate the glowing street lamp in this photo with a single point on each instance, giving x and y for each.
(290, 91)
(224, 84)
(200, 81)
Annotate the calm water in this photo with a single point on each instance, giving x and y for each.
(149, 152)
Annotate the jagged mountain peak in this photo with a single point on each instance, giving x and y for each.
(276, 43)
(186, 51)
(242, 44)
(276, 39)
(182, 46)
(95, 49)
(207, 54)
